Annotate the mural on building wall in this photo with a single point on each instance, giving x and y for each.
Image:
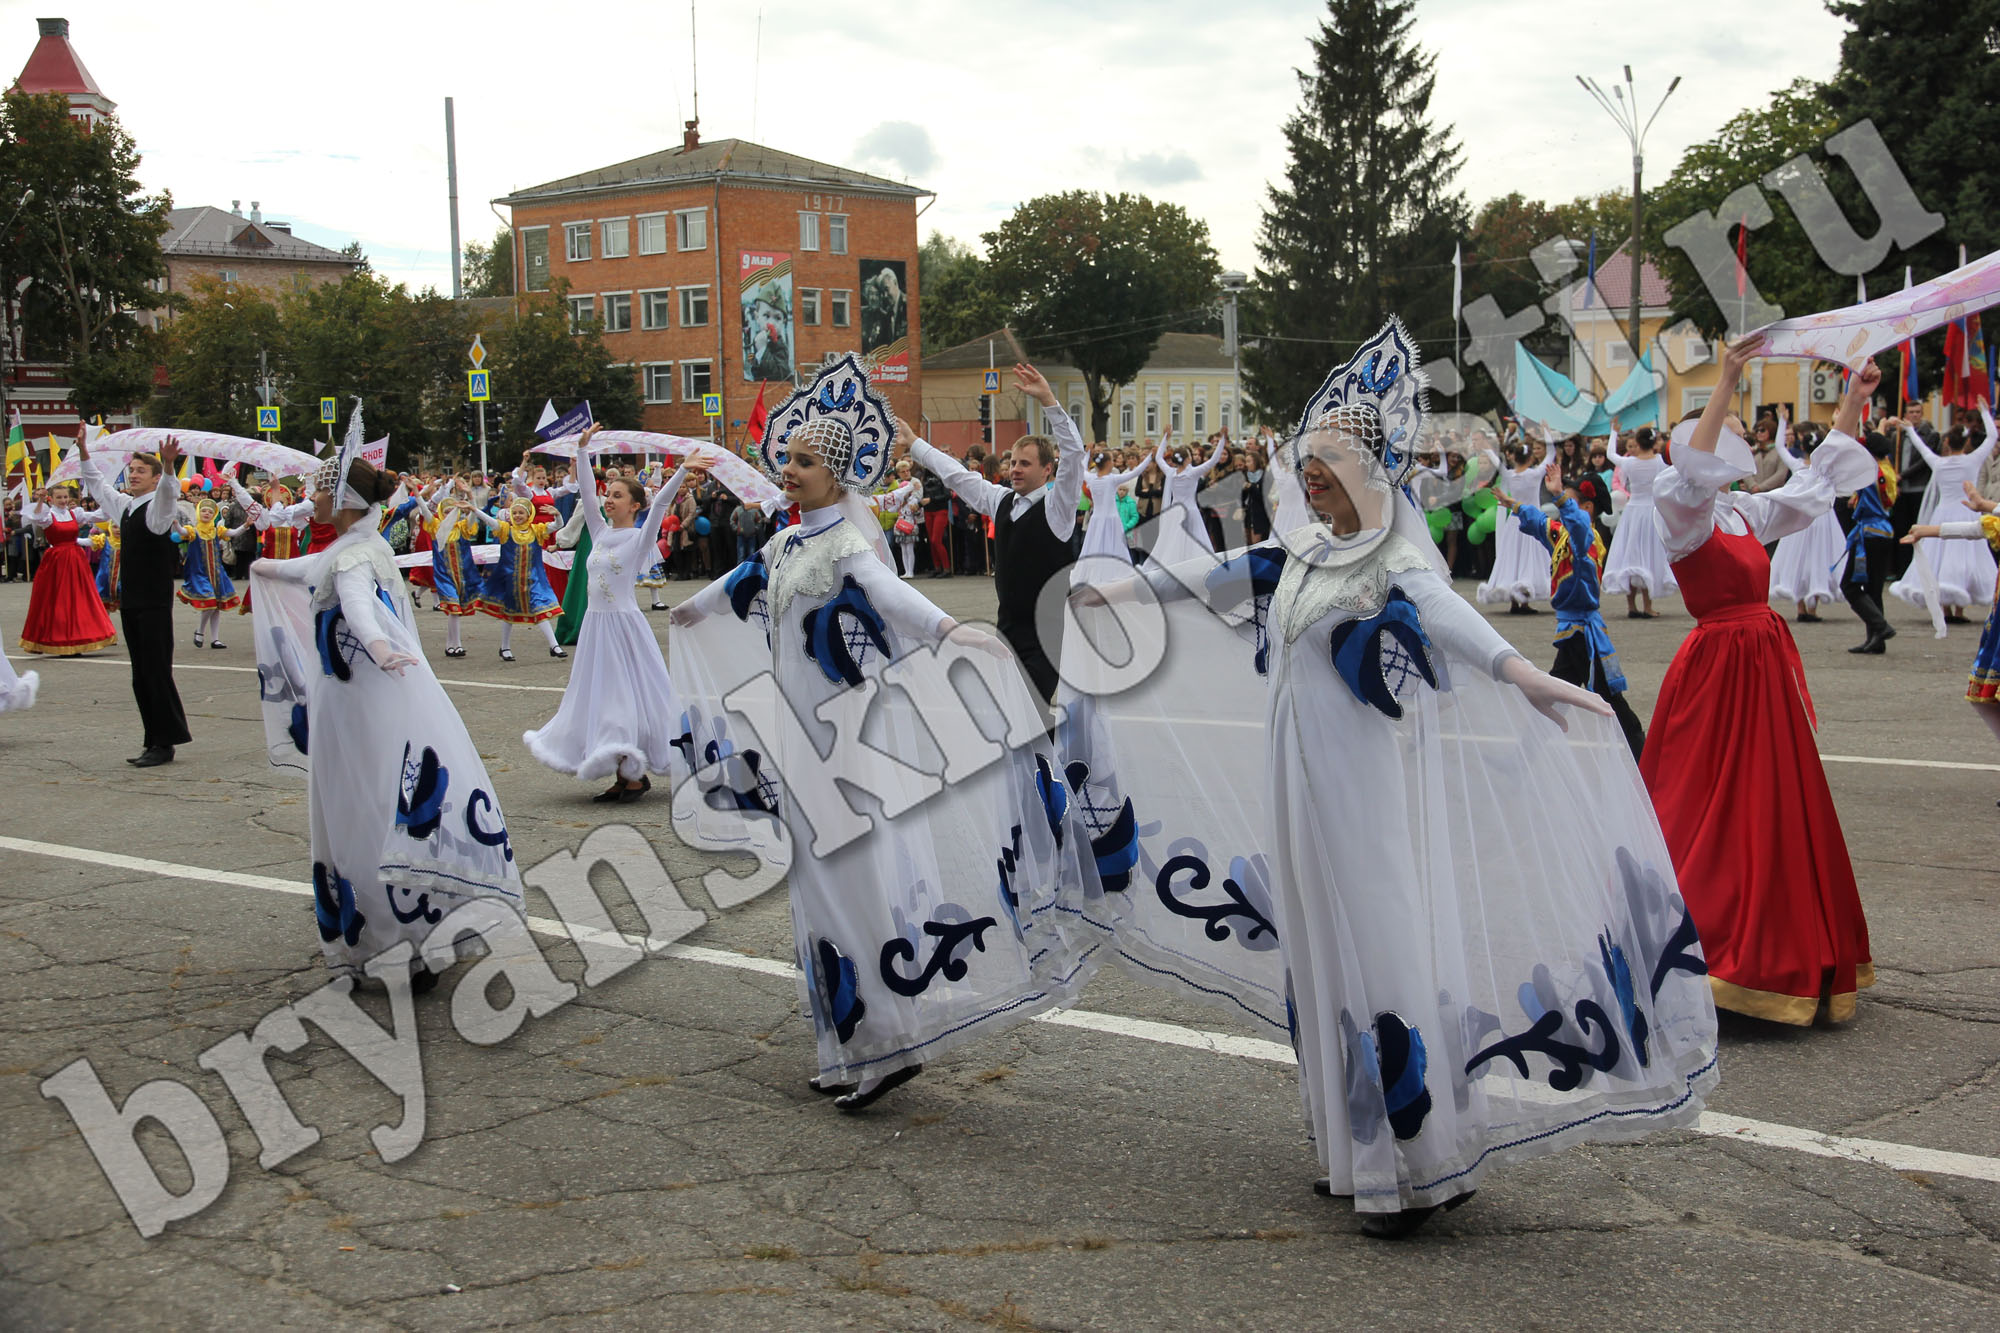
(535, 257)
(885, 319)
(765, 285)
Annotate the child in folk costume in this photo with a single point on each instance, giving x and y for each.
(1965, 572)
(105, 553)
(1731, 761)
(281, 525)
(65, 615)
(1871, 539)
(454, 575)
(1637, 564)
(1804, 565)
(404, 821)
(909, 943)
(1466, 983)
(516, 589)
(901, 510)
(619, 716)
(205, 584)
(1982, 688)
(1584, 653)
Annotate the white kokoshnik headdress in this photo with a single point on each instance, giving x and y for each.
(332, 474)
(841, 418)
(1378, 397)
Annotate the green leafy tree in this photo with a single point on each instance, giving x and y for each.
(956, 301)
(1929, 78)
(535, 358)
(212, 352)
(1778, 255)
(1364, 224)
(1093, 280)
(88, 242)
(349, 339)
(488, 267)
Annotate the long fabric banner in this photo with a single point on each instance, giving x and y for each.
(1851, 335)
(749, 485)
(275, 459)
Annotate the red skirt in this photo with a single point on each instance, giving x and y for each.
(65, 616)
(421, 574)
(1736, 778)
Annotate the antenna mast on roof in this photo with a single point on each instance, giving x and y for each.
(694, 63)
(756, 72)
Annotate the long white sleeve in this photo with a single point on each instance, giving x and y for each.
(355, 587)
(1067, 486)
(1931, 460)
(663, 502)
(1611, 448)
(1455, 625)
(983, 495)
(1203, 469)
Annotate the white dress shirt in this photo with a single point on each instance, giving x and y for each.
(1062, 491)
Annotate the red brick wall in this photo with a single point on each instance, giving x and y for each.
(753, 217)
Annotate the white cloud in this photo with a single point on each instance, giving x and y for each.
(339, 128)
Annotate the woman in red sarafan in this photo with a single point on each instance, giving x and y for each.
(65, 615)
(1730, 760)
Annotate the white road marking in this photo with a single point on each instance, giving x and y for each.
(1713, 1124)
(1908, 763)
(202, 666)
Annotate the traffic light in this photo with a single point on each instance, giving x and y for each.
(496, 417)
(986, 417)
(468, 422)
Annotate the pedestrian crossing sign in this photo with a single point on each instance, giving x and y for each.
(478, 386)
(267, 418)
(711, 404)
(326, 411)
(992, 382)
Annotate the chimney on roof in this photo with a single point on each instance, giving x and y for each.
(53, 27)
(284, 227)
(691, 136)
(256, 211)
(236, 207)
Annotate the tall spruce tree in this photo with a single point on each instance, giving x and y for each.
(1364, 225)
(1929, 77)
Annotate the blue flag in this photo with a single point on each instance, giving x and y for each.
(571, 422)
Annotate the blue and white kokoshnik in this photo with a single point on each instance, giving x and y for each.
(840, 394)
(1382, 375)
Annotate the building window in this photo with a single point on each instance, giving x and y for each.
(696, 379)
(1152, 416)
(694, 307)
(656, 309)
(808, 231)
(1076, 416)
(1174, 416)
(1224, 414)
(1618, 354)
(659, 380)
(841, 301)
(228, 275)
(653, 234)
(618, 312)
(577, 237)
(1694, 400)
(836, 233)
(1125, 421)
(1201, 416)
(691, 228)
(617, 238)
(582, 309)
(808, 305)
(1698, 352)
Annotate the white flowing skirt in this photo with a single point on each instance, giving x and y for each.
(1637, 560)
(1965, 570)
(1180, 535)
(1806, 566)
(1104, 534)
(16, 692)
(1520, 567)
(620, 713)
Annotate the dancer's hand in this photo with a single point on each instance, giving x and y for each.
(971, 636)
(1546, 693)
(1031, 382)
(170, 455)
(905, 437)
(684, 615)
(1919, 531)
(392, 660)
(1977, 502)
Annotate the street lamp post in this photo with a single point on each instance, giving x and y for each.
(1623, 108)
(1233, 284)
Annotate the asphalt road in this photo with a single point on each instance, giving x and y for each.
(647, 1155)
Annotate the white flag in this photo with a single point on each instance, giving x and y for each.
(1457, 281)
(549, 414)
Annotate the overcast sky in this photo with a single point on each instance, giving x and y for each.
(333, 116)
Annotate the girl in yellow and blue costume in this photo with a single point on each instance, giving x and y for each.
(205, 583)
(516, 589)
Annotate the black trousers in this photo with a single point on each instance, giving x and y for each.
(149, 639)
(1864, 594)
(1027, 646)
(1577, 664)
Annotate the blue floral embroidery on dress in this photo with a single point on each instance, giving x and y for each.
(496, 838)
(1377, 670)
(1054, 796)
(1009, 861)
(1386, 1066)
(838, 990)
(1114, 830)
(1249, 898)
(958, 936)
(1620, 974)
(1263, 565)
(421, 910)
(839, 634)
(745, 584)
(420, 796)
(334, 906)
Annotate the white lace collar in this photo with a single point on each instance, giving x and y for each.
(801, 559)
(1312, 585)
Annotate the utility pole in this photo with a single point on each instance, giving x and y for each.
(1233, 284)
(1623, 108)
(451, 177)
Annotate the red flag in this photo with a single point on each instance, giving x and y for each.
(1743, 259)
(758, 418)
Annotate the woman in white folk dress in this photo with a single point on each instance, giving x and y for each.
(1965, 570)
(1805, 569)
(1637, 564)
(1104, 530)
(1520, 566)
(619, 715)
(405, 823)
(1182, 532)
(935, 921)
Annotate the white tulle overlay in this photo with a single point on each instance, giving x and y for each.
(1965, 570)
(1520, 564)
(406, 824)
(17, 692)
(619, 714)
(1807, 565)
(1637, 560)
(1104, 531)
(925, 912)
(1474, 977)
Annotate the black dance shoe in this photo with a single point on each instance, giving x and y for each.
(1324, 1188)
(506, 654)
(1872, 644)
(609, 794)
(197, 638)
(557, 651)
(154, 757)
(857, 1101)
(422, 980)
(1403, 1225)
(216, 644)
(1806, 618)
(629, 795)
(830, 1089)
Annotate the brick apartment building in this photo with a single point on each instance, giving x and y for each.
(250, 251)
(719, 267)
